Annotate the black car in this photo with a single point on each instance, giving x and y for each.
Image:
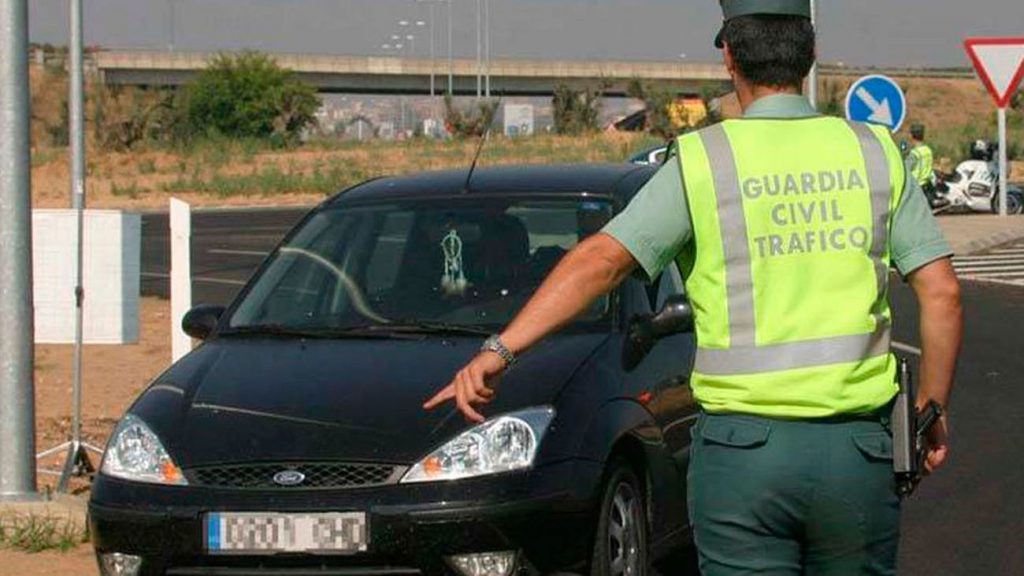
(293, 440)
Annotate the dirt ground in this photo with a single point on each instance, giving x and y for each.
(112, 377)
(77, 562)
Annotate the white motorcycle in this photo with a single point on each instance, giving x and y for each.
(974, 186)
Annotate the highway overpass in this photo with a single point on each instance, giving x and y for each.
(394, 75)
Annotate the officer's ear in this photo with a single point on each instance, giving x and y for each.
(730, 63)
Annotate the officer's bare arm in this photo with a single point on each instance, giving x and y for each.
(592, 269)
(938, 294)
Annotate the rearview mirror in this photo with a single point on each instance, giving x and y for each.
(201, 320)
(675, 317)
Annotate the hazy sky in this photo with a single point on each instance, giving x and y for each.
(859, 32)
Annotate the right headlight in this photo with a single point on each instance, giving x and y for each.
(136, 453)
(505, 443)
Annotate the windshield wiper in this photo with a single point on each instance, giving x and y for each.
(311, 332)
(417, 327)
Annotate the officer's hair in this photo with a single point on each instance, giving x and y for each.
(771, 50)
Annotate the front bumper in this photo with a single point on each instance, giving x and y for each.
(547, 514)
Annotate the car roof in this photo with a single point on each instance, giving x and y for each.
(620, 181)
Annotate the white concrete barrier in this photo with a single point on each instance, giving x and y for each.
(181, 275)
(112, 244)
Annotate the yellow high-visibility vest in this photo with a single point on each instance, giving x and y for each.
(788, 273)
(922, 164)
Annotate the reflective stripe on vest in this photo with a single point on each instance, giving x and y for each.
(746, 350)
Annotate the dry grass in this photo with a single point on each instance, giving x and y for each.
(225, 172)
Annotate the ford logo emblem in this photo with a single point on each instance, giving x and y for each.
(289, 478)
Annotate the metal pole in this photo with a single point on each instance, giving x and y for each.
(479, 64)
(1002, 162)
(432, 62)
(170, 25)
(487, 46)
(812, 78)
(77, 460)
(451, 73)
(17, 392)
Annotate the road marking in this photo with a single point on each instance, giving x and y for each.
(993, 259)
(237, 252)
(906, 348)
(999, 268)
(205, 279)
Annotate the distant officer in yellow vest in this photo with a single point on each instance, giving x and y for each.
(922, 160)
(784, 223)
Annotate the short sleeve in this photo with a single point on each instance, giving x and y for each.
(916, 237)
(655, 226)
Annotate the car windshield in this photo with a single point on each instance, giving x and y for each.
(465, 263)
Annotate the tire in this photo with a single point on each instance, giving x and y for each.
(620, 542)
(1014, 203)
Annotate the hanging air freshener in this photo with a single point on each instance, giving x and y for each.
(454, 279)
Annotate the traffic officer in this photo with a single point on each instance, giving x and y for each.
(922, 160)
(786, 223)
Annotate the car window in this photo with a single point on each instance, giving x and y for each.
(473, 261)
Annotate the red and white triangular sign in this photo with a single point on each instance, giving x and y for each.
(1000, 64)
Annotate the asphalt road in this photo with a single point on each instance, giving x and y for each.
(966, 520)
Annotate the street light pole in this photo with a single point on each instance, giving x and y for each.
(812, 78)
(170, 25)
(432, 53)
(451, 73)
(479, 80)
(487, 45)
(17, 390)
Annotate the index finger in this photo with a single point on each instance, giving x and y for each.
(446, 394)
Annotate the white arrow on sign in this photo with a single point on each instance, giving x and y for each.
(881, 113)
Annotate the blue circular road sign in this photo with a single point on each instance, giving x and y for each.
(877, 99)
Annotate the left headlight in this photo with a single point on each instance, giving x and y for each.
(135, 453)
(502, 444)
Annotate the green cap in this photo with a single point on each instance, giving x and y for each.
(735, 8)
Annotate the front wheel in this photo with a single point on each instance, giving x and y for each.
(1014, 203)
(620, 545)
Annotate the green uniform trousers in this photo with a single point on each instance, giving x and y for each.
(789, 497)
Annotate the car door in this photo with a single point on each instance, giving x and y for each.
(661, 380)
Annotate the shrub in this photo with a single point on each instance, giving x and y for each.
(576, 111)
(248, 95)
(463, 124)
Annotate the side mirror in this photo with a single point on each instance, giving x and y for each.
(201, 320)
(675, 317)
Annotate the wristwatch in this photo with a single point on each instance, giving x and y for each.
(494, 344)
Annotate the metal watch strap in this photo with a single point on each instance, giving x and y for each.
(494, 344)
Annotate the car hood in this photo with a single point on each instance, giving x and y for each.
(244, 400)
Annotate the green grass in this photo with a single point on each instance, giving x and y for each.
(44, 156)
(36, 533)
(147, 166)
(131, 190)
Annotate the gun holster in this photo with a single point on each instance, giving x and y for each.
(909, 433)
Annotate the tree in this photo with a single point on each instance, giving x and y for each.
(248, 95)
(576, 111)
(657, 103)
(463, 124)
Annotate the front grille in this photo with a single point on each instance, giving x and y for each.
(317, 475)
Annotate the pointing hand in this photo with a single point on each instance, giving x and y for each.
(471, 385)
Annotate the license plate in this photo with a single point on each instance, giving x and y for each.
(273, 533)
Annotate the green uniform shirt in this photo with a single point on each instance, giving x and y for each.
(656, 225)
